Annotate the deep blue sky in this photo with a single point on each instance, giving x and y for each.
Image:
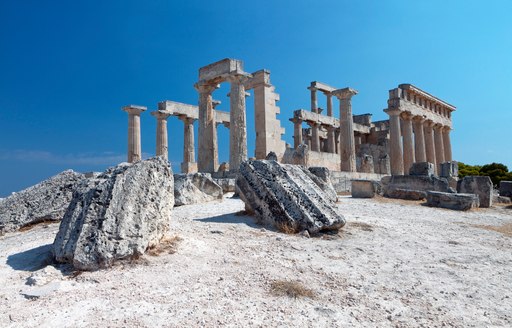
(67, 67)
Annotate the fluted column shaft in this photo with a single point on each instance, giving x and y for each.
(134, 143)
(237, 122)
(429, 143)
(396, 155)
(409, 156)
(438, 139)
(447, 144)
(347, 143)
(419, 139)
(207, 157)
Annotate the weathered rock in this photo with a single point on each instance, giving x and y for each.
(363, 189)
(415, 183)
(501, 199)
(459, 202)
(322, 177)
(422, 169)
(479, 185)
(227, 184)
(449, 169)
(286, 196)
(506, 188)
(117, 215)
(195, 188)
(407, 194)
(46, 201)
(272, 156)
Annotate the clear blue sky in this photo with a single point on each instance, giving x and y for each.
(67, 67)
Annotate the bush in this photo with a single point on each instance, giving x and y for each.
(496, 171)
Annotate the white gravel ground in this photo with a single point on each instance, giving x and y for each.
(395, 264)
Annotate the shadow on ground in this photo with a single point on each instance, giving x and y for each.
(32, 259)
(233, 218)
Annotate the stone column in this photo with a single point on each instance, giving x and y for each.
(447, 144)
(331, 139)
(297, 132)
(329, 103)
(314, 102)
(134, 147)
(161, 133)
(237, 122)
(207, 157)
(395, 142)
(438, 139)
(189, 164)
(347, 144)
(315, 138)
(409, 156)
(419, 139)
(429, 143)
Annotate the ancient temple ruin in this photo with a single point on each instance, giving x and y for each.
(353, 146)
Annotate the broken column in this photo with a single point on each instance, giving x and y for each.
(207, 160)
(347, 145)
(161, 133)
(134, 145)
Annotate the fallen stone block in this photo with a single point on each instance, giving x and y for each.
(479, 185)
(421, 183)
(119, 214)
(363, 189)
(45, 201)
(286, 197)
(422, 169)
(449, 169)
(506, 188)
(459, 202)
(322, 177)
(195, 188)
(406, 194)
(227, 184)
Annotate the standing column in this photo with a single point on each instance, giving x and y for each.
(447, 144)
(396, 155)
(297, 132)
(237, 122)
(409, 157)
(161, 133)
(429, 143)
(315, 138)
(207, 157)
(419, 139)
(314, 101)
(329, 103)
(331, 139)
(189, 164)
(347, 144)
(134, 147)
(438, 139)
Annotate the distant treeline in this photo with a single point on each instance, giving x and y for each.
(496, 171)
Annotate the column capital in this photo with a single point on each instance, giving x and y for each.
(160, 115)
(429, 123)
(438, 126)
(446, 128)
(296, 120)
(186, 119)
(419, 119)
(345, 93)
(134, 109)
(406, 116)
(312, 123)
(238, 78)
(393, 111)
(206, 87)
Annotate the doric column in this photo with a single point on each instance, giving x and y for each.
(331, 139)
(315, 138)
(438, 139)
(237, 122)
(207, 157)
(419, 139)
(395, 153)
(297, 132)
(347, 145)
(161, 133)
(329, 103)
(447, 144)
(409, 156)
(314, 101)
(134, 147)
(429, 142)
(189, 164)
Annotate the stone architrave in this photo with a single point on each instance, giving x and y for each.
(409, 156)
(161, 133)
(134, 145)
(189, 164)
(397, 163)
(207, 160)
(439, 145)
(237, 122)
(429, 143)
(447, 144)
(419, 139)
(347, 144)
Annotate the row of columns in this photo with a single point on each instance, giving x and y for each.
(431, 141)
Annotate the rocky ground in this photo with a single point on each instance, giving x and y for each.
(395, 264)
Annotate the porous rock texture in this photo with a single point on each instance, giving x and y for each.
(45, 201)
(195, 188)
(479, 185)
(285, 196)
(322, 177)
(116, 215)
(459, 202)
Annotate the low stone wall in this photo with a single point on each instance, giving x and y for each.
(342, 181)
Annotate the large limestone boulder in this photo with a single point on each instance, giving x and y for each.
(479, 185)
(195, 188)
(286, 197)
(46, 201)
(322, 177)
(506, 188)
(116, 215)
(459, 202)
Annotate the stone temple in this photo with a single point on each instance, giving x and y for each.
(351, 146)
